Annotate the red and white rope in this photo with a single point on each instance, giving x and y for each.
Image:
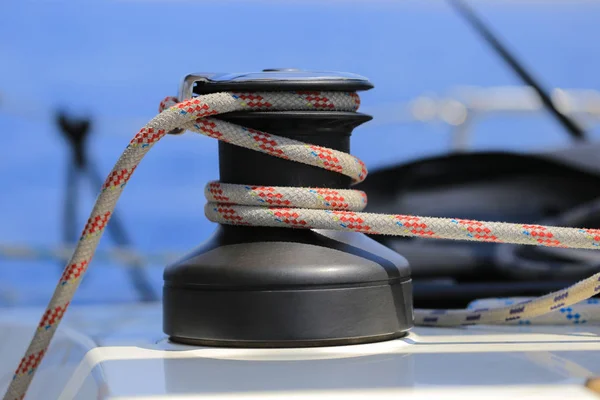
(321, 208)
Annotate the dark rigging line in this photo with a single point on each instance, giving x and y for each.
(574, 130)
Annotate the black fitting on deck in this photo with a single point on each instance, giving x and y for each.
(281, 287)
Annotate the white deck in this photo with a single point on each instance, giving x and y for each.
(120, 352)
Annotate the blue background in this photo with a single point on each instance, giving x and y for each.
(115, 60)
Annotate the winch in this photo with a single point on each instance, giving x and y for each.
(265, 286)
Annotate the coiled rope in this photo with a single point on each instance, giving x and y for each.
(320, 208)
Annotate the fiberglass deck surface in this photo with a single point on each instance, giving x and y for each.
(121, 353)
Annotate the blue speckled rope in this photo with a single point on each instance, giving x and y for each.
(585, 312)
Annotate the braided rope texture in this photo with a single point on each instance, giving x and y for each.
(320, 208)
(585, 312)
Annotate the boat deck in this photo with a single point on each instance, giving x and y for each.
(120, 352)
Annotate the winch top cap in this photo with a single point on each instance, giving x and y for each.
(287, 74)
(272, 79)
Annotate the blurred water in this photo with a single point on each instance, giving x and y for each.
(116, 60)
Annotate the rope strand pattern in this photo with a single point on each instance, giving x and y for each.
(295, 208)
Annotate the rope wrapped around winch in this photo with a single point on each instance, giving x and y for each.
(319, 208)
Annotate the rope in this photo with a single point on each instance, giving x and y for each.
(282, 207)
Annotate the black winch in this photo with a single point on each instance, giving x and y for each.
(278, 287)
